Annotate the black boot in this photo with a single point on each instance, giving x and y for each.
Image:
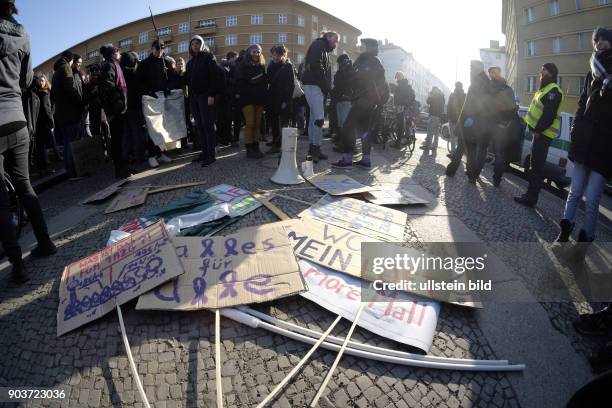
(19, 272)
(566, 230)
(322, 156)
(596, 323)
(253, 152)
(581, 248)
(314, 153)
(45, 247)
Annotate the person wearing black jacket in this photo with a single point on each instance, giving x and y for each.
(435, 100)
(43, 123)
(341, 95)
(233, 60)
(223, 118)
(113, 93)
(370, 91)
(134, 142)
(280, 93)
(403, 99)
(545, 128)
(67, 96)
(453, 110)
(251, 92)
(202, 79)
(317, 85)
(505, 114)
(15, 77)
(591, 146)
(155, 74)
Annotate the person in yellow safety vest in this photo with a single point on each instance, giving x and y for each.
(544, 121)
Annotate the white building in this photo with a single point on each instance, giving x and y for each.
(394, 58)
(494, 56)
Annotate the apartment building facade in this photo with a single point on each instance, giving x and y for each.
(557, 31)
(225, 26)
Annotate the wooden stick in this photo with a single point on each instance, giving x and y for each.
(299, 365)
(297, 200)
(338, 357)
(218, 359)
(160, 188)
(287, 189)
(135, 375)
(277, 211)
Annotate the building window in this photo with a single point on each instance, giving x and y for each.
(557, 45)
(344, 39)
(282, 19)
(300, 58)
(282, 38)
(314, 35)
(92, 54)
(300, 39)
(231, 39)
(256, 19)
(581, 85)
(531, 84)
(183, 27)
(125, 42)
(209, 41)
(581, 41)
(168, 50)
(315, 19)
(143, 37)
(531, 51)
(209, 22)
(554, 8)
(578, 5)
(255, 38)
(231, 21)
(183, 46)
(530, 14)
(142, 55)
(300, 21)
(164, 31)
(604, 2)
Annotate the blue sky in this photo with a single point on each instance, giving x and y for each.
(441, 34)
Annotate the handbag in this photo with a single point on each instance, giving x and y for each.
(298, 92)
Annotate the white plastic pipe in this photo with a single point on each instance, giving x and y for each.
(366, 347)
(460, 365)
(218, 359)
(135, 375)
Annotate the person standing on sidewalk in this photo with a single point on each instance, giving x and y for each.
(202, 81)
(453, 110)
(252, 88)
(280, 93)
(317, 85)
(370, 90)
(435, 100)
(545, 123)
(504, 114)
(341, 94)
(15, 77)
(403, 99)
(591, 147)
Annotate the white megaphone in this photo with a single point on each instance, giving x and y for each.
(287, 172)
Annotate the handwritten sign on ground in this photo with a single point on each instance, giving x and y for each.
(104, 194)
(93, 286)
(337, 184)
(327, 245)
(88, 155)
(404, 318)
(241, 201)
(405, 194)
(255, 265)
(128, 199)
(368, 219)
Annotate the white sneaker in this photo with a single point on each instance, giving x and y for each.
(153, 162)
(164, 159)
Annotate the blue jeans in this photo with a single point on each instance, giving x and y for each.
(589, 183)
(316, 101)
(342, 110)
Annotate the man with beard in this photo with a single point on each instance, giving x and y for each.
(317, 85)
(505, 114)
(474, 124)
(370, 91)
(544, 121)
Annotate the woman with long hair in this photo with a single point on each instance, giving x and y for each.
(251, 88)
(44, 124)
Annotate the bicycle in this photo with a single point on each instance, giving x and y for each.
(407, 138)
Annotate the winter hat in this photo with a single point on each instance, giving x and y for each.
(203, 46)
(107, 51)
(552, 68)
(129, 59)
(459, 85)
(370, 42)
(602, 33)
(67, 55)
(342, 59)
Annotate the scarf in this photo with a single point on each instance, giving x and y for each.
(120, 79)
(599, 72)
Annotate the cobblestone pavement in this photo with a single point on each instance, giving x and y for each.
(174, 351)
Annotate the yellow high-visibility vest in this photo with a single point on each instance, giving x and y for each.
(536, 109)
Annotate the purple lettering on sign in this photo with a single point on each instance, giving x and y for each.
(248, 247)
(230, 247)
(267, 244)
(207, 245)
(228, 286)
(175, 296)
(255, 281)
(199, 288)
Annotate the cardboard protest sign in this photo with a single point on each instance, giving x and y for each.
(105, 193)
(88, 156)
(405, 194)
(241, 201)
(337, 184)
(368, 219)
(404, 318)
(127, 199)
(327, 245)
(93, 286)
(165, 117)
(255, 265)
